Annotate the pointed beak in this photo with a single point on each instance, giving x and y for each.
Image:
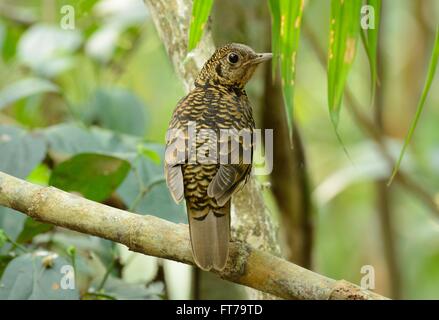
(261, 57)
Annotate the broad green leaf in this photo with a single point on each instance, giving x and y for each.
(48, 49)
(32, 228)
(20, 151)
(145, 191)
(37, 276)
(429, 80)
(370, 40)
(95, 176)
(118, 110)
(25, 88)
(68, 139)
(200, 14)
(344, 31)
(62, 240)
(144, 188)
(11, 222)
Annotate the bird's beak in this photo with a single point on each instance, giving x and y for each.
(261, 57)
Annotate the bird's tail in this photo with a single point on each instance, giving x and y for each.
(210, 237)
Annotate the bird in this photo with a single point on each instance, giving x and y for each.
(206, 125)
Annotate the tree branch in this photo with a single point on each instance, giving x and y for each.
(154, 236)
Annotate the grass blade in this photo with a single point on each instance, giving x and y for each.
(344, 30)
(370, 42)
(200, 13)
(430, 76)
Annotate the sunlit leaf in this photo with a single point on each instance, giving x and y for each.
(286, 22)
(430, 76)
(370, 41)
(344, 30)
(20, 151)
(24, 88)
(200, 14)
(48, 49)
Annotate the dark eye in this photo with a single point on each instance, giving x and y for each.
(233, 58)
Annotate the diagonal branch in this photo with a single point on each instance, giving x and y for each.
(154, 236)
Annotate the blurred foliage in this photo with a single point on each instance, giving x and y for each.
(82, 110)
(86, 110)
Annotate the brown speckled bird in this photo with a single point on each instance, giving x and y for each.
(217, 102)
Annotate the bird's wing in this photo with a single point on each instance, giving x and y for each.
(231, 177)
(175, 156)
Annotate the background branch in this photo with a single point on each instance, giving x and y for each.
(154, 236)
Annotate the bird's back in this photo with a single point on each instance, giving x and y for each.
(204, 112)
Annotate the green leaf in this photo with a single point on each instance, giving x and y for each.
(145, 191)
(144, 188)
(68, 139)
(291, 18)
(118, 110)
(48, 49)
(36, 276)
(40, 175)
(20, 151)
(200, 14)
(3, 238)
(25, 88)
(4, 261)
(286, 17)
(32, 228)
(95, 176)
(430, 76)
(11, 222)
(344, 30)
(149, 153)
(370, 42)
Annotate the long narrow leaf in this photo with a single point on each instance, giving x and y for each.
(344, 31)
(200, 13)
(291, 18)
(430, 76)
(370, 42)
(286, 22)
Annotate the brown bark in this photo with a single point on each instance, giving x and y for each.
(157, 237)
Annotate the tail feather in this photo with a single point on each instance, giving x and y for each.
(210, 238)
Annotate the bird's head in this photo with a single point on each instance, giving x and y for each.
(231, 65)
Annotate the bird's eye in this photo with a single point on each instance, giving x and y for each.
(233, 58)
